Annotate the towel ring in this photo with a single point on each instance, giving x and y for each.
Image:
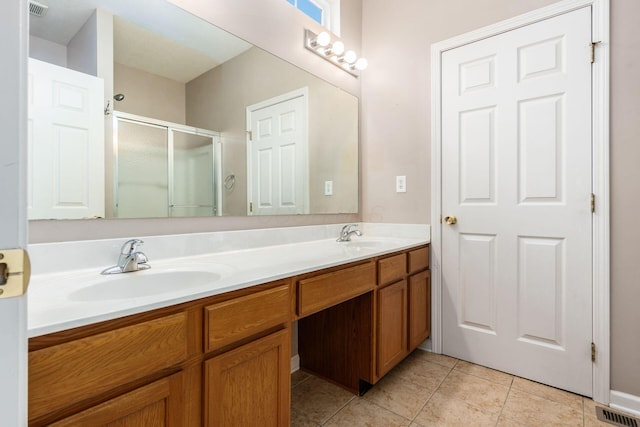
(230, 181)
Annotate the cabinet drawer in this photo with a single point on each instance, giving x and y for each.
(392, 268)
(64, 374)
(326, 290)
(238, 318)
(418, 259)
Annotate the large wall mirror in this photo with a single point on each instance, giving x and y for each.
(140, 109)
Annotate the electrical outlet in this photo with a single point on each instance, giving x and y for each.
(401, 184)
(328, 188)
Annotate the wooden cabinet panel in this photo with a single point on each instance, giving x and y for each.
(230, 321)
(419, 308)
(326, 290)
(249, 386)
(392, 326)
(392, 268)
(63, 374)
(157, 404)
(418, 259)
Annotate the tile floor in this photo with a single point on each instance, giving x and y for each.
(428, 389)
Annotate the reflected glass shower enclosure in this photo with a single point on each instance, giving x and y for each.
(164, 169)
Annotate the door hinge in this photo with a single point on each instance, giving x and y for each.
(15, 272)
(250, 133)
(592, 201)
(440, 219)
(250, 206)
(593, 352)
(593, 51)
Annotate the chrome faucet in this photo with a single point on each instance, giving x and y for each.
(130, 259)
(348, 231)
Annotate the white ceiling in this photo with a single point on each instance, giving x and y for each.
(150, 35)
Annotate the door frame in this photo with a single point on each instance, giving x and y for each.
(600, 173)
(13, 210)
(303, 93)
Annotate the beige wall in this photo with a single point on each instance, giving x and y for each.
(625, 188)
(396, 134)
(218, 100)
(149, 95)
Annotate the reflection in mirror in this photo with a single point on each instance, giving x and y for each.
(205, 124)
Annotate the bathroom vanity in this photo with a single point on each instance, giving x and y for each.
(224, 359)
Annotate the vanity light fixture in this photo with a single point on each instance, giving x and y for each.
(321, 45)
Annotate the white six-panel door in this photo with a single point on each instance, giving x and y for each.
(277, 156)
(516, 174)
(66, 143)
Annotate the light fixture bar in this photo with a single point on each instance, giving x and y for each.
(321, 45)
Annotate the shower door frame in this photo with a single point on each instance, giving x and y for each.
(151, 122)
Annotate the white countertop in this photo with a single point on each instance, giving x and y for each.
(60, 300)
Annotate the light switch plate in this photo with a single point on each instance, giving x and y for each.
(401, 184)
(328, 188)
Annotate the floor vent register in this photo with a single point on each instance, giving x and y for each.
(616, 418)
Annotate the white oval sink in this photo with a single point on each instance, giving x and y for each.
(143, 284)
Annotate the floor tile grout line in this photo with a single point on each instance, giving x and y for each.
(339, 409)
(433, 393)
(505, 402)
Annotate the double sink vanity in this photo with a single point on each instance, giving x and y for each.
(204, 336)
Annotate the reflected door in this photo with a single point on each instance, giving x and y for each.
(277, 156)
(516, 161)
(66, 143)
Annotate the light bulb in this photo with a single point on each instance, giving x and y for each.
(350, 57)
(337, 48)
(323, 39)
(361, 64)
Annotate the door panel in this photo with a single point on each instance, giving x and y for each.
(477, 282)
(516, 155)
(277, 160)
(66, 143)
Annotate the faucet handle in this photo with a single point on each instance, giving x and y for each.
(347, 228)
(130, 246)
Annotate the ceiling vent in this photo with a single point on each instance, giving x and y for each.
(37, 9)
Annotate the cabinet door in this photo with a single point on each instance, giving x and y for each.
(249, 386)
(156, 404)
(392, 326)
(419, 308)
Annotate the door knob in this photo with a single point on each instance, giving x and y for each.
(450, 220)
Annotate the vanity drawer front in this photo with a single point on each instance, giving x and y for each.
(418, 259)
(392, 268)
(230, 321)
(64, 374)
(326, 290)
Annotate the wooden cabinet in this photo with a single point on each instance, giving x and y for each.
(225, 357)
(392, 326)
(325, 290)
(71, 372)
(249, 386)
(403, 306)
(419, 308)
(156, 404)
(238, 318)
(225, 360)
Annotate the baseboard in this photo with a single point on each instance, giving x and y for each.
(625, 402)
(426, 345)
(295, 363)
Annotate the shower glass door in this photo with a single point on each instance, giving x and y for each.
(142, 175)
(164, 169)
(192, 169)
